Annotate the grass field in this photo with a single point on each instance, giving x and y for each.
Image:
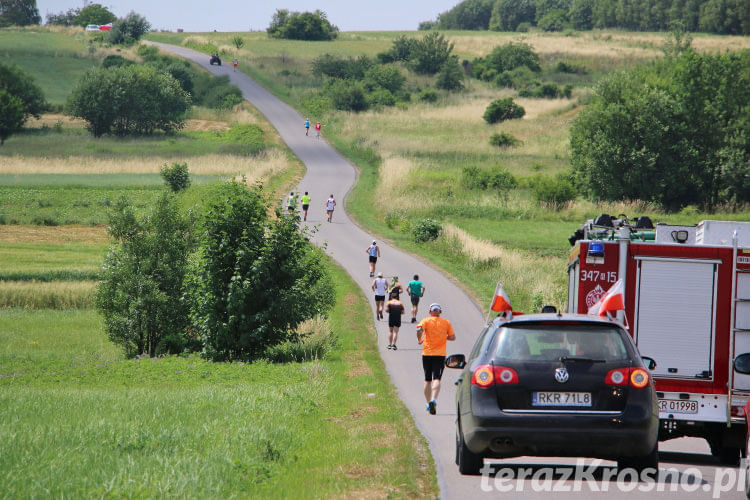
(411, 159)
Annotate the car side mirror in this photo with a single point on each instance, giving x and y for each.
(742, 363)
(455, 361)
(650, 362)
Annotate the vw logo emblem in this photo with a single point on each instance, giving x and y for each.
(561, 375)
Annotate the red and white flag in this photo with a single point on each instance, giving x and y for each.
(501, 302)
(611, 302)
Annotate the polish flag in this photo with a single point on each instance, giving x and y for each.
(501, 302)
(611, 302)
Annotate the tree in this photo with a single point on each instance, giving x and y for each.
(511, 13)
(19, 13)
(11, 115)
(129, 100)
(238, 42)
(672, 132)
(430, 53)
(19, 84)
(256, 278)
(467, 15)
(301, 26)
(503, 109)
(553, 20)
(66, 18)
(142, 285)
(95, 14)
(128, 30)
(451, 75)
(580, 13)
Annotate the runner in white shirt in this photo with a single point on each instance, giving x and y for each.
(330, 205)
(379, 286)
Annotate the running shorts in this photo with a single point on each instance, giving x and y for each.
(415, 300)
(394, 320)
(380, 298)
(373, 259)
(433, 367)
(305, 207)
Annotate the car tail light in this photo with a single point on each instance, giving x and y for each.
(504, 375)
(639, 378)
(483, 376)
(636, 377)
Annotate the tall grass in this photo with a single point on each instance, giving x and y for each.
(47, 295)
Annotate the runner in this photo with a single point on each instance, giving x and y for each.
(434, 332)
(330, 205)
(395, 308)
(374, 252)
(235, 63)
(317, 130)
(305, 205)
(415, 289)
(395, 287)
(307, 125)
(291, 202)
(379, 286)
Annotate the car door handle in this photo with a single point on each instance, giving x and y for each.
(458, 380)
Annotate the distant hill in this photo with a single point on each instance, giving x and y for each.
(726, 17)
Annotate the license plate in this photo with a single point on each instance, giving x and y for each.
(678, 406)
(561, 399)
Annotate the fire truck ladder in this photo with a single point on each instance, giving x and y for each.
(736, 300)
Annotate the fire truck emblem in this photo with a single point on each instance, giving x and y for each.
(594, 295)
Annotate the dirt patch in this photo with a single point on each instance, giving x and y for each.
(350, 299)
(51, 120)
(356, 471)
(92, 235)
(357, 368)
(354, 415)
(206, 125)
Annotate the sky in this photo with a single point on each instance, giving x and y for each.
(255, 15)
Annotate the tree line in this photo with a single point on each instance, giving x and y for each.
(727, 17)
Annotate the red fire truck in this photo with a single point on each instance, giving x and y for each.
(687, 305)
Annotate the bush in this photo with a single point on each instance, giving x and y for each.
(548, 90)
(128, 30)
(20, 84)
(346, 95)
(380, 97)
(243, 139)
(301, 26)
(430, 53)
(340, 67)
(256, 279)
(496, 177)
(386, 77)
(554, 190)
(426, 230)
(523, 27)
(451, 75)
(129, 100)
(508, 57)
(503, 109)
(428, 95)
(516, 78)
(315, 340)
(564, 67)
(554, 20)
(176, 176)
(503, 140)
(142, 285)
(115, 61)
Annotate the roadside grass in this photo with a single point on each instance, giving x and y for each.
(94, 424)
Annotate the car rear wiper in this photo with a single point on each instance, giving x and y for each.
(579, 359)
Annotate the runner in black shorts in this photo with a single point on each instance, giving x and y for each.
(433, 367)
(395, 308)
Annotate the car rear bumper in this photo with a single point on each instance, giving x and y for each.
(598, 436)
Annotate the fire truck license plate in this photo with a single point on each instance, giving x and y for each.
(678, 406)
(561, 399)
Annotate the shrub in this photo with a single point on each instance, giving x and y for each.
(451, 75)
(129, 100)
(554, 190)
(508, 57)
(503, 109)
(176, 176)
(554, 20)
(497, 177)
(430, 53)
(256, 279)
(516, 78)
(115, 61)
(315, 339)
(340, 67)
(180, 73)
(400, 51)
(426, 230)
(380, 97)
(243, 139)
(548, 90)
(346, 95)
(301, 26)
(386, 77)
(142, 285)
(503, 140)
(523, 27)
(128, 30)
(428, 95)
(564, 67)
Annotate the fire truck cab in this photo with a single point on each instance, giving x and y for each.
(687, 306)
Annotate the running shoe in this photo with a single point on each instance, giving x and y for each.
(414, 320)
(427, 407)
(432, 407)
(394, 347)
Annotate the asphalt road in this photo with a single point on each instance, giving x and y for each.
(695, 475)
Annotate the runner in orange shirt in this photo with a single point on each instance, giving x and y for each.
(434, 333)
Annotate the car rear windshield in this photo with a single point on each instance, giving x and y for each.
(549, 342)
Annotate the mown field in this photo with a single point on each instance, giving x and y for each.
(411, 156)
(80, 420)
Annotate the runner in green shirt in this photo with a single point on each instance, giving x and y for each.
(305, 205)
(415, 289)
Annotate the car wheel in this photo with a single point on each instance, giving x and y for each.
(649, 461)
(469, 463)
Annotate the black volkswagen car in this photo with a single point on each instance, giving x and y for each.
(555, 385)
